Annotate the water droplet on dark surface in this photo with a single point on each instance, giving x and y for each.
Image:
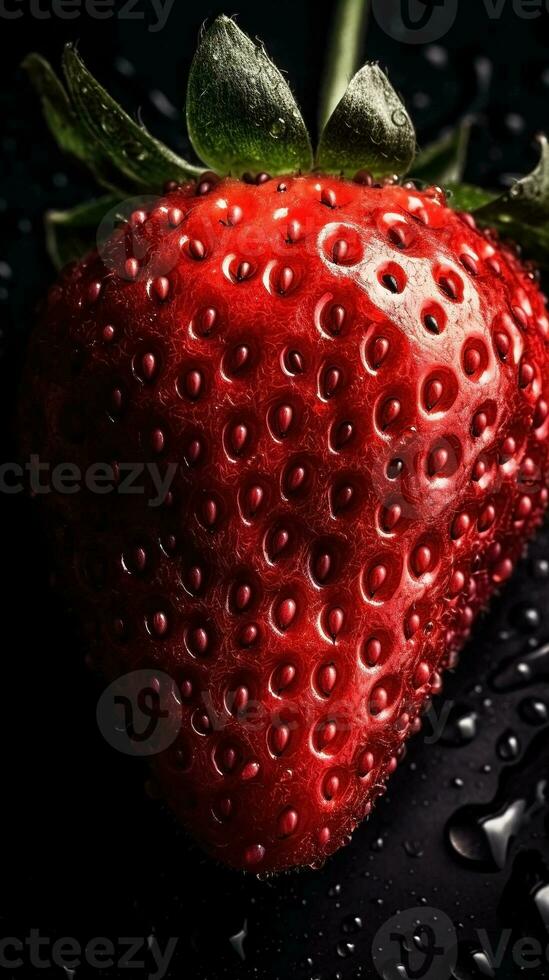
(485, 842)
(237, 941)
(351, 925)
(534, 711)
(461, 727)
(522, 671)
(540, 569)
(541, 901)
(413, 848)
(473, 964)
(436, 55)
(508, 746)
(345, 949)
(525, 617)
(395, 971)
(524, 901)
(482, 834)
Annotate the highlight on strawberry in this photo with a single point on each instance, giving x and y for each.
(340, 359)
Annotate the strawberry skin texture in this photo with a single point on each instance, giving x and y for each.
(353, 383)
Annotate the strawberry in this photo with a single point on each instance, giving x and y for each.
(343, 386)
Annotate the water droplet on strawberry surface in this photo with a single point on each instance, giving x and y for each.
(254, 855)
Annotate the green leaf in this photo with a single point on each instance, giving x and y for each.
(56, 105)
(526, 226)
(466, 197)
(72, 234)
(522, 212)
(241, 114)
(369, 129)
(71, 135)
(129, 147)
(527, 201)
(533, 239)
(443, 162)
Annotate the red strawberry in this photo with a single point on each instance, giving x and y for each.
(350, 382)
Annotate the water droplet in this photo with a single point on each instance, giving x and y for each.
(461, 727)
(534, 711)
(413, 848)
(352, 924)
(516, 673)
(345, 949)
(277, 128)
(540, 569)
(237, 941)
(399, 118)
(482, 834)
(525, 617)
(485, 842)
(508, 746)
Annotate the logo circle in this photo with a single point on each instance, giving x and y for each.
(415, 21)
(139, 714)
(418, 943)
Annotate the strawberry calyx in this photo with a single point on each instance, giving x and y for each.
(241, 114)
(89, 125)
(242, 119)
(369, 129)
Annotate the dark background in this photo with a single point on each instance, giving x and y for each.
(85, 851)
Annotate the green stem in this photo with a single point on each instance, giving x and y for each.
(344, 54)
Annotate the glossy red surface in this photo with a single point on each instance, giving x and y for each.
(352, 386)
